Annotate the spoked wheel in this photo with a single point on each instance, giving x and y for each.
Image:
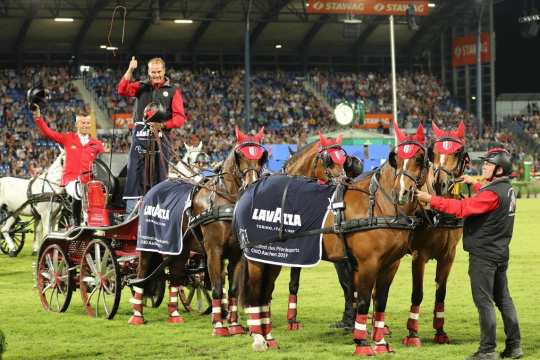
(198, 297)
(54, 283)
(100, 282)
(17, 234)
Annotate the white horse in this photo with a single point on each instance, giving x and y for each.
(14, 194)
(184, 169)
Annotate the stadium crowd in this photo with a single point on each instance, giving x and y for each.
(214, 103)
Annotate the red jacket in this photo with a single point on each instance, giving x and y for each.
(130, 88)
(79, 157)
(480, 203)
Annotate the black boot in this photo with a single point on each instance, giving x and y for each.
(76, 208)
(344, 273)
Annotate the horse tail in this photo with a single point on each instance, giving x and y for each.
(243, 282)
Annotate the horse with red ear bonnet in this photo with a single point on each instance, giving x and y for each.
(437, 240)
(209, 221)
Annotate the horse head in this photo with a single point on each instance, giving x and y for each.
(249, 156)
(410, 162)
(448, 157)
(54, 172)
(193, 154)
(330, 159)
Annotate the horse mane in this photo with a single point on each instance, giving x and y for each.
(299, 153)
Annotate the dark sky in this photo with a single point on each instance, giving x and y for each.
(517, 58)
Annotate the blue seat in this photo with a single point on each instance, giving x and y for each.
(379, 151)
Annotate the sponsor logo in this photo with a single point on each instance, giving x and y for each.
(379, 7)
(274, 216)
(142, 133)
(446, 145)
(156, 211)
(165, 93)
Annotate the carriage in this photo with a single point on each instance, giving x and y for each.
(100, 258)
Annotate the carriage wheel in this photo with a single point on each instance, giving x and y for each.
(100, 282)
(54, 282)
(198, 297)
(18, 235)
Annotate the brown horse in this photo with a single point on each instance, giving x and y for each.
(242, 166)
(326, 161)
(385, 198)
(437, 241)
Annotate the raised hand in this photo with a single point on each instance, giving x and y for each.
(133, 64)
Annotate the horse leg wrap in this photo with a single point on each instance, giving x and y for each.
(378, 327)
(137, 306)
(382, 347)
(412, 325)
(217, 319)
(255, 328)
(174, 315)
(266, 324)
(293, 324)
(438, 323)
(234, 327)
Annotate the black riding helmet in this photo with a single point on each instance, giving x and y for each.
(501, 158)
(37, 96)
(155, 112)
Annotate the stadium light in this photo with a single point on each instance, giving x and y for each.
(102, 46)
(432, 5)
(64, 19)
(183, 21)
(111, 48)
(279, 46)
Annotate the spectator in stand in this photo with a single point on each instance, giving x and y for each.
(157, 89)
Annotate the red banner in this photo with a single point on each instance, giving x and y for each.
(122, 120)
(464, 50)
(373, 121)
(366, 7)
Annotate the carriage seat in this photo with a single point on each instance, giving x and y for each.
(114, 185)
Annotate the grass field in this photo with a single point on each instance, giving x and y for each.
(32, 333)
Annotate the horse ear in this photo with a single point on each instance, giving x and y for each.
(240, 136)
(420, 134)
(392, 159)
(400, 136)
(259, 136)
(322, 139)
(339, 139)
(460, 132)
(438, 132)
(199, 147)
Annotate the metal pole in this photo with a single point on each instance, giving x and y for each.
(393, 57)
(443, 59)
(247, 70)
(479, 114)
(454, 70)
(492, 65)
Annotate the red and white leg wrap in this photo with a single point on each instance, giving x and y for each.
(293, 324)
(217, 319)
(174, 315)
(360, 336)
(254, 319)
(412, 322)
(137, 306)
(378, 326)
(234, 327)
(266, 324)
(438, 316)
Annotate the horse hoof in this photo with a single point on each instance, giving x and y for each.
(259, 343)
(293, 326)
(272, 344)
(363, 350)
(236, 330)
(222, 331)
(413, 341)
(136, 320)
(441, 339)
(175, 320)
(383, 349)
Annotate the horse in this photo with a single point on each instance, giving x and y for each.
(36, 197)
(382, 204)
(188, 168)
(326, 161)
(242, 166)
(439, 240)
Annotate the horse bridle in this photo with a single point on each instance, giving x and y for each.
(240, 174)
(324, 157)
(458, 170)
(425, 164)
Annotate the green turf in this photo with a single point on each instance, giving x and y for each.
(32, 333)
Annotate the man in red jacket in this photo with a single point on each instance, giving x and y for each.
(81, 150)
(145, 154)
(487, 231)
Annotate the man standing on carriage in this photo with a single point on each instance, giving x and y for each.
(487, 231)
(159, 107)
(81, 150)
